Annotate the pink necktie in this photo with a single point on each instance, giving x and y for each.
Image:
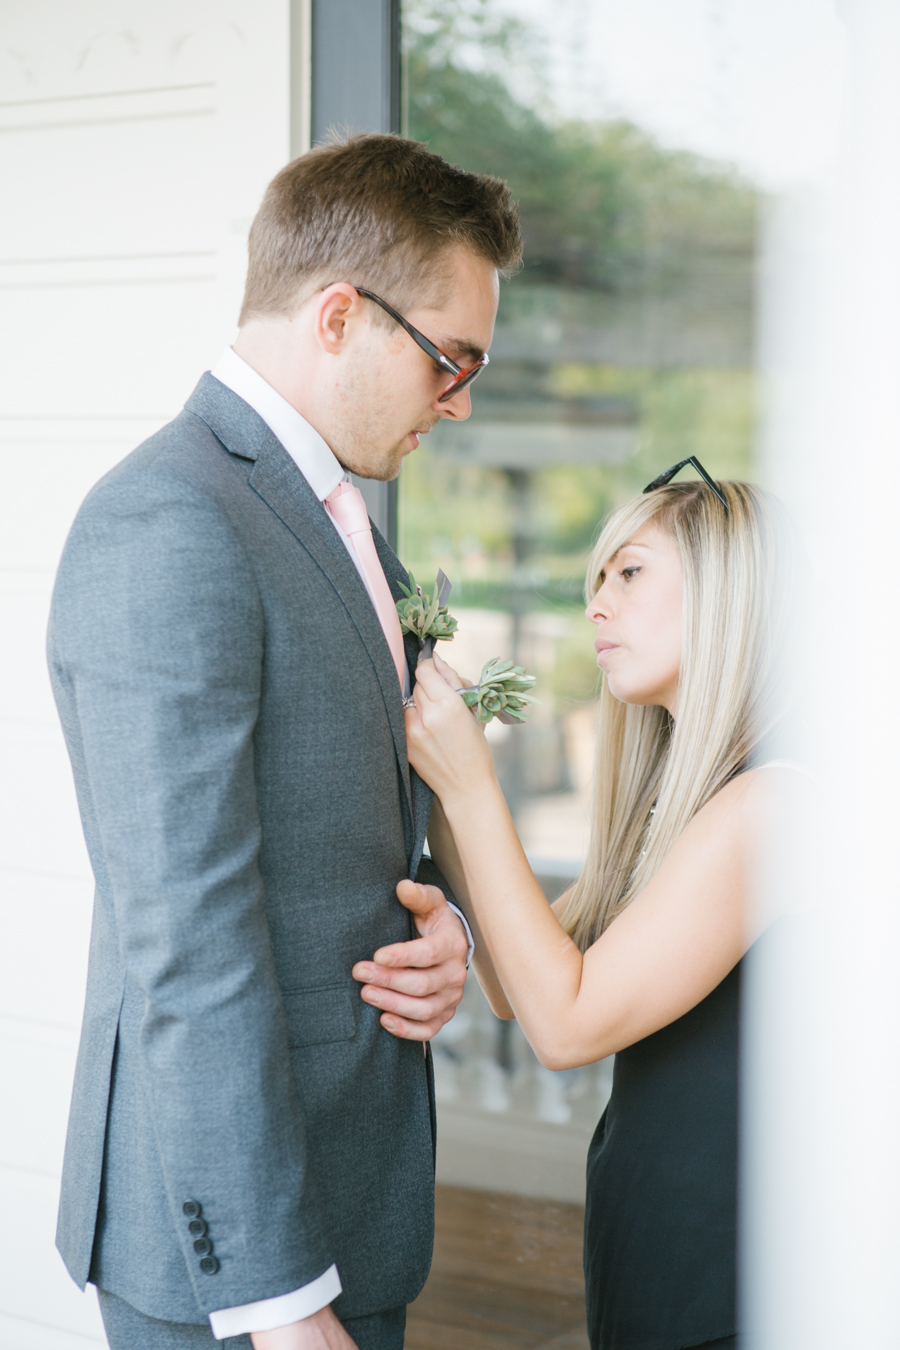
(348, 508)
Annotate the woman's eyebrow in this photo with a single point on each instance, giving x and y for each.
(631, 544)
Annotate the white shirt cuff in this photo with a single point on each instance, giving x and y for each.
(465, 923)
(269, 1313)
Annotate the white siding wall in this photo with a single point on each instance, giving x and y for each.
(136, 137)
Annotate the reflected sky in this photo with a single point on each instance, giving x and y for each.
(756, 82)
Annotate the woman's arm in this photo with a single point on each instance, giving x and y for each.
(675, 942)
(446, 855)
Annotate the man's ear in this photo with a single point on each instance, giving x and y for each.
(337, 307)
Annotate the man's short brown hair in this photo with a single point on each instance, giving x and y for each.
(377, 211)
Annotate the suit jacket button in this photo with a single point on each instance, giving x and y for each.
(197, 1228)
(209, 1265)
(203, 1246)
(192, 1208)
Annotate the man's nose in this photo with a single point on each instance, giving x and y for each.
(459, 407)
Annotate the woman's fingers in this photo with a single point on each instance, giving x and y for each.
(445, 742)
(447, 672)
(435, 686)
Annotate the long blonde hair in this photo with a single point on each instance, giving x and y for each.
(653, 775)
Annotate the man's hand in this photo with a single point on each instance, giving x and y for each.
(322, 1331)
(418, 983)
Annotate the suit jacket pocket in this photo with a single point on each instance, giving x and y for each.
(317, 1016)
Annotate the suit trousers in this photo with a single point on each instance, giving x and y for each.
(128, 1329)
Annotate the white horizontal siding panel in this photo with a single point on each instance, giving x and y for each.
(126, 105)
(92, 350)
(136, 140)
(34, 1284)
(141, 269)
(37, 1065)
(25, 693)
(46, 923)
(98, 47)
(47, 468)
(38, 809)
(107, 183)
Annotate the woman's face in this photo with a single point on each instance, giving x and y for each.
(637, 611)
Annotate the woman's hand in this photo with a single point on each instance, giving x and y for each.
(446, 744)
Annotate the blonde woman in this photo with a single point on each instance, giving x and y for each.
(642, 957)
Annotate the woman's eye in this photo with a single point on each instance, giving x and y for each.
(629, 572)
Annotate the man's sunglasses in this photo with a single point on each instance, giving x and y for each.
(669, 474)
(462, 375)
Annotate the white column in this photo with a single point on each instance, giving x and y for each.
(822, 1091)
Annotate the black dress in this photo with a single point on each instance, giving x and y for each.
(661, 1219)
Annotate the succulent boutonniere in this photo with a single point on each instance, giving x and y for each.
(502, 691)
(426, 615)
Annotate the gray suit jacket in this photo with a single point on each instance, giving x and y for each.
(235, 727)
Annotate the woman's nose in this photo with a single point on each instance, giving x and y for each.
(594, 611)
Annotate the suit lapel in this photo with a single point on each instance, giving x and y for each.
(422, 795)
(278, 481)
(396, 573)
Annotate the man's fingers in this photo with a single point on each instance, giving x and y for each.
(413, 1009)
(405, 1030)
(420, 899)
(418, 982)
(420, 952)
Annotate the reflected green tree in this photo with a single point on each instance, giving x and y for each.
(637, 286)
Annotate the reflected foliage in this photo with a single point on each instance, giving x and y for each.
(632, 313)
(603, 207)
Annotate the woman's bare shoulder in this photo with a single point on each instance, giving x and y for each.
(759, 788)
(755, 805)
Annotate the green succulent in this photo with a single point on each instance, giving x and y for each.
(502, 689)
(422, 613)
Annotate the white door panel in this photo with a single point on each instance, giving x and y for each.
(36, 1288)
(43, 956)
(136, 139)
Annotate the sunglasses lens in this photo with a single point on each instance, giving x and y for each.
(461, 381)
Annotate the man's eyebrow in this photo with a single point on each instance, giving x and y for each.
(461, 347)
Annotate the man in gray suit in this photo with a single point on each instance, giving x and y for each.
(250, 1148)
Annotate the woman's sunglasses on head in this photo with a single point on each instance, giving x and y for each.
(669, 474)
(461, 375)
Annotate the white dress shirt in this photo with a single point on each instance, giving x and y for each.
(323, 472)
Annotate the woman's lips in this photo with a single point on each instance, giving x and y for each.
(603, 648)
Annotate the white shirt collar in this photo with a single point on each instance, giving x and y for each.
(303, 443)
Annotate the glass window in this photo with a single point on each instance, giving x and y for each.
(623, 345)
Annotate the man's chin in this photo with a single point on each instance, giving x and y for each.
(384, 468)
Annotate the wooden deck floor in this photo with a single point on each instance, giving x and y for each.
(506, 1276)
